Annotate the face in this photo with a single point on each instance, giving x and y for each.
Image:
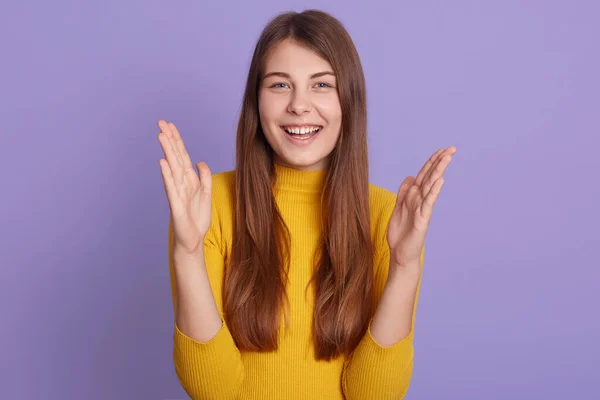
(299, 107)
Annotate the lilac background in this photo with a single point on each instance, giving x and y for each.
(508, 307)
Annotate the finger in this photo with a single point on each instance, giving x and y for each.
(187, 162)
(406, 184)
(427, 166)
(166, 128)
(429, 174)
(171, 153)
(430, 199)
(435, 174)
(432, 162)
(205, 176)
(168, 183)
(404, 208)
(411, 201)
(174, 164)
(173, 137)
(413, 198)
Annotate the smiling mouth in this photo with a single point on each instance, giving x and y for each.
(303, 132)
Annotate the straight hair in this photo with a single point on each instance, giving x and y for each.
(254, 293)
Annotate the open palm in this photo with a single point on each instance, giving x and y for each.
(188, 192)
(410, 219)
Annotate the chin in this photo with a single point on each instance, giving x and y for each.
(303, 163)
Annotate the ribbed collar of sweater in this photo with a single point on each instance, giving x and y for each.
(292, 179)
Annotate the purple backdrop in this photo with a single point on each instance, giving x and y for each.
(508, 307)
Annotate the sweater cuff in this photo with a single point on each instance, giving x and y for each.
(379, 360)
(210, 370)
(404, 344)
(374, 371)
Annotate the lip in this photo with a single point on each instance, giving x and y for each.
(300, 142)
(301, 125)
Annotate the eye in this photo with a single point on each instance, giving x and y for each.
(276, 85)
(325, 85)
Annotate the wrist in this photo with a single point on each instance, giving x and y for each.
(404, 275)
(180, 253)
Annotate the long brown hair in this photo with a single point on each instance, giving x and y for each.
(255, 281)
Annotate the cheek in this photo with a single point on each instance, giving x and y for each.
(269, 108)
(330, 109)
(268, 116)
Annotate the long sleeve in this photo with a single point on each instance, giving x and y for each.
(211, 370)
(376, 372)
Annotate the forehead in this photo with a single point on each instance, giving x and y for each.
(295, 59)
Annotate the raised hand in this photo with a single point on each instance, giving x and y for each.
(189, 193)
(412, 214)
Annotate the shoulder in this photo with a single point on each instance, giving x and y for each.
(381, 202)
(223, 183)
(221, 227)
(381, 205)
(223, 194)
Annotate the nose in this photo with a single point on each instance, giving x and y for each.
(299, 103)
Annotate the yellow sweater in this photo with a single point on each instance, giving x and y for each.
(218, 370)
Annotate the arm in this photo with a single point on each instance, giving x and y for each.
(207, 361)
(381, 365)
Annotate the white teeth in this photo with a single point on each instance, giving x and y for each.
(303, 130)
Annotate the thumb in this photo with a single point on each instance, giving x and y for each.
(205, 176)
(406, 184)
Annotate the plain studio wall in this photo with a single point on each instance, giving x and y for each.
(508, 307)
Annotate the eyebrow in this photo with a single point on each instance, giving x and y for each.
(287, 76)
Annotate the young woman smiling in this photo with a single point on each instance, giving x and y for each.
(293, 277)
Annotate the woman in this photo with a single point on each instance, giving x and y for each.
(292, 276)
